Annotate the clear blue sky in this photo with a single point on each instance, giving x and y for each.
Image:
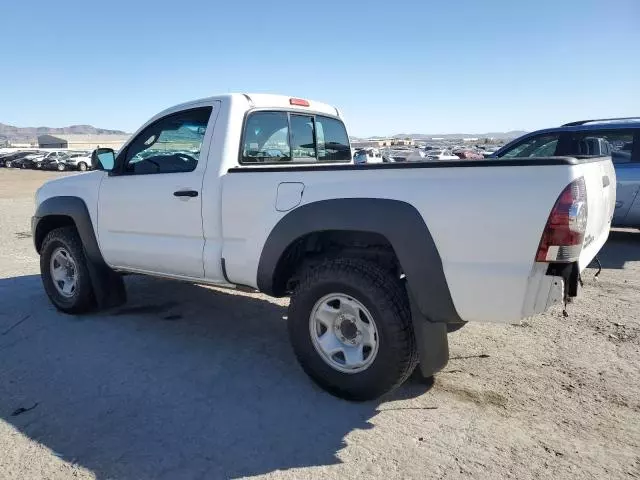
(391, 67)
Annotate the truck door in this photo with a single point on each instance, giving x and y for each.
(150, 205)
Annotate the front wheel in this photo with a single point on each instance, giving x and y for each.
(82, 167)
(64, 273)
(61, 167)
(350, 328)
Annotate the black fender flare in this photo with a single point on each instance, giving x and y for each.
(108, 285)
(399, 222)
(76, 209)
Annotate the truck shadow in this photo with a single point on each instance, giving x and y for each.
(183, 381)
(621, 247)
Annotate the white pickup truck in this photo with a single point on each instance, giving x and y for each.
(380, 261)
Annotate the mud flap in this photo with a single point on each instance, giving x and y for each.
(108, 286)
(431, 341)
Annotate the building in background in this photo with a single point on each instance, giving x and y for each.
(81, 141)
(383, 142)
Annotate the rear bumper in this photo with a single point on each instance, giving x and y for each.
(543, 292)
(549, 285)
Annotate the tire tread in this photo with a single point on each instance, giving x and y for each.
(394, 304)
(69, 237)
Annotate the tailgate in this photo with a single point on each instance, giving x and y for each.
(600, 181)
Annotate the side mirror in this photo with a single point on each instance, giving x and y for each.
(103, 159)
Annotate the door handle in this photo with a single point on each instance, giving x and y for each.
(605, 181)
(185, 193)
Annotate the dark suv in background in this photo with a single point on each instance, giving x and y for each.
(9, 159)
(617, 137)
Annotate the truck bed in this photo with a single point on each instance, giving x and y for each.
(485, 216)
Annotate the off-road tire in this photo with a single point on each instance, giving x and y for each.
(83, 299)
(387, 301)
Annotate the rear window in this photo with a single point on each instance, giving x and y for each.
(283, 137)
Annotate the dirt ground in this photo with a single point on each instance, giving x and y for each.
(191, 382)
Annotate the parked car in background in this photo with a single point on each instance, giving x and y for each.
(615, 137)
(15, 159)
(441, 154)
(469, 155)
(416, 155)
(367, 155)
(30, 161)
(488, 151)
(55, 161)
(43, 159)
(78, 161)
(4, 156)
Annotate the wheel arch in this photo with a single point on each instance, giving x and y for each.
(62, 211)
(396, 223)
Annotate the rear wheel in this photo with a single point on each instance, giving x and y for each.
(61, 167)
(350, 327)
(63, 268)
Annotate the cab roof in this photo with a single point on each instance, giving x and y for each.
(267, 100)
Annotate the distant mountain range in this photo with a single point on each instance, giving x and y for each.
(427, 136)
(28, 134)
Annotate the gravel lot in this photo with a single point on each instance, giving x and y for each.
(192, 382)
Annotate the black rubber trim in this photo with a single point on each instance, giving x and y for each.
(239, 286)
(76, 209)
(431, 340)
(108, 286)
(223, 266)
(513, 162)
(399, 222)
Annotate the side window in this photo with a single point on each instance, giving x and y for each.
(333, 142)
(617, 143)
(266, 138)
(170, 145)
(276, 137)
(535, 147)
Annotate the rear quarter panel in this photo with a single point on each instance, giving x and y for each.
(486, 222)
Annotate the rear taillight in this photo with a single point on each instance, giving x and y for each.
(564, 233)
